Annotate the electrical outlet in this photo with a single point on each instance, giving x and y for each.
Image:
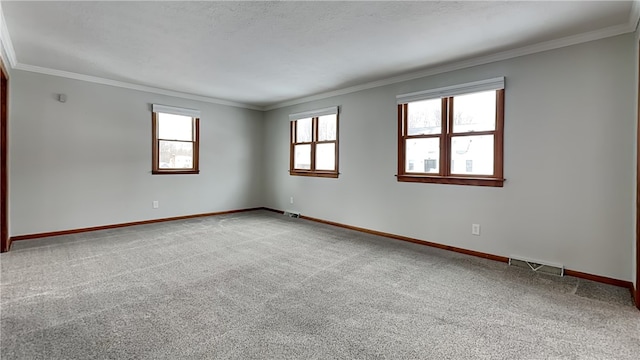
(475, 229)
(156, 204)
(291, 200)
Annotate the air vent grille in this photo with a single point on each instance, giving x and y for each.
(537, 266)
(292, 214)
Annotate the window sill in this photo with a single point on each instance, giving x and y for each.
(174, 172)
(314, 174)
(452, 180)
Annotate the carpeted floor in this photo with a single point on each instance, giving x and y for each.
(258, 285)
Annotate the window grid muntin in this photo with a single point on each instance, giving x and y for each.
(314, 136)
(445, 175)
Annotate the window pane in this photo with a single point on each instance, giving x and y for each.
(472, 155)
(474, 112)
(302, 157)
(326, 156)
(422, 155)
(327, 127)
(175, 127)
(424, 117)
(303, 130)
(176, 155)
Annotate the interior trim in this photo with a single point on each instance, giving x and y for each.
(114, 226)
(332, 110)
(611, 31)
(600, 279)
(636, 294)
(578, 274)
(5, 242)
(634, 16)
(450, 180)
(175, 110)
(452, 90)
(503, 259)
(504, 55)
(413, 240)
(5, 40)
(131, 86)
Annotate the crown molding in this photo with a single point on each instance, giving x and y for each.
(504, 55)
(634, 15)
(131, 86)
(7, 45)
(5, 40)
(630, 26)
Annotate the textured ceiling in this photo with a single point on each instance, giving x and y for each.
(263, 53)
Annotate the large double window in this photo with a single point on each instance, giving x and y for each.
(175, 140)
(314, 143)
(452, 135)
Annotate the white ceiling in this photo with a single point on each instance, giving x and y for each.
(265, 53)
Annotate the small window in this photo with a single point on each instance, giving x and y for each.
(314, 143)
(456, 132)
(175, 140)
(430, 165)
(469, 166)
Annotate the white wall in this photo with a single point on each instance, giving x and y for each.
(569, 140)
(87, 162)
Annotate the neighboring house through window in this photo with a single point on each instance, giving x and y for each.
(175, 140)
(456, 132)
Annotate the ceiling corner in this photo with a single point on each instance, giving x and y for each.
(634, 16)
(133, 86)
(5, 40)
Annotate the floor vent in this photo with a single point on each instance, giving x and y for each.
(292, 214)
(537, 266)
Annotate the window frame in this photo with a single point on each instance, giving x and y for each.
(445, 140)
(314, 142)
(155, 165)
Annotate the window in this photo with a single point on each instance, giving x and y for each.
(469, 166)
(175, 140)
(314, 143)
(456, 132)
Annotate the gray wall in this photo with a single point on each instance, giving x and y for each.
(87, 162)
(569, 137)
(569, 140)
(7, 67)
(636, 67)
